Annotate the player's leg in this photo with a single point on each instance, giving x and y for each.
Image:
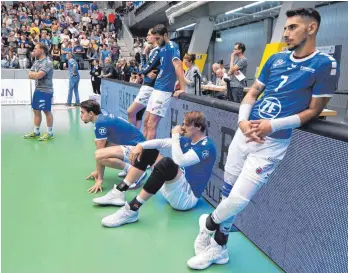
(132, 111)
(117, 195)
(152, 125)
(112, 157)
(139, 118)
(76, 91)
(164, 170)
(250, 180)
(70, 93)
(46, 108)
(146, 120)
(37, 116)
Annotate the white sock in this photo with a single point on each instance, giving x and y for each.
(49, 130)
(126, 167)
(142, 201)
(128, 184)
(36, 130)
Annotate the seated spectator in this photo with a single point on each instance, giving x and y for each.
(55, 57)
(44, 39)
(92, 54)
(11, 60)
(133, 77)
(78, 52)
(108, 69)
(55, 39)
(85, 21)
(104, 53)
(115, 53)
(140, 78)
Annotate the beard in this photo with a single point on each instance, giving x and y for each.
(300, 45)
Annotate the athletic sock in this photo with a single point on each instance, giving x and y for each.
(49, 130)
(123, 186)
(210, 224)
(37, 130)
(136, 203)
(126, 167)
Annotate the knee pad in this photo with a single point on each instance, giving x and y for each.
(140, 114)
(165, 170)
(147, 158)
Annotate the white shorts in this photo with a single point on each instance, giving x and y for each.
(144, 95)
(159, 103)
(260, 160)
(126, 152)
(179, 194)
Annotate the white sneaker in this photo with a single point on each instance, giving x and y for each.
(138, 182)
(113, 197)
(123, 216)
(203, 239)
(213, 254)
(122, 174)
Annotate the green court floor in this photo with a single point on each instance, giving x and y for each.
(49, 224)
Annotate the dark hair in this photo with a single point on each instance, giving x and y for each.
(308, 12)
(197, 119)
(91, 106)
(159, 29)
(241, 46)
(191, 57)
(221, 62)
(44, 48)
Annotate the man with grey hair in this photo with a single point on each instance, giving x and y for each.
(74, 79)
(42, 73)
(108, 69)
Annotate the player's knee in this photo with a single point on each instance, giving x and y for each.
(98, 155)
(235, 203)
(130, 112)
(168, 168)
(151, 124)
(229, 180)
(147, 158)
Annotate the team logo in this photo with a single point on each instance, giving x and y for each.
(292, 67)
(278, 63)
(270, 108)
(308, 69)
(261, 170)
(205, 154)
(102, 131)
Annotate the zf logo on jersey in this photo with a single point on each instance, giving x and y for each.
(270, 108)
(205, 154)
(102, 131)
(278, 63)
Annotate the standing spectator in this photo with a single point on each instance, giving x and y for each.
(118, 26)
(111, 19)
(94, 18)
(74, 79)
(85, 21)
(22, 56)
(55, 39)
(104, 22)
(95, 77)
(78, 52)
(115, 53)
(238, 65)
(65, 49)
(56, 57)
(190, 74)
(104, 53)
(85, 44)
(92, 55)
(77, 18)
(44, 39)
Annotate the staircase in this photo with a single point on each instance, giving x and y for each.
(124, 52)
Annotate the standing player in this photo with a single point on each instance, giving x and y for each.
(171, 69)
(296, 86)
(194, 153)
(135, 112)
(42, 72)
(115, 139)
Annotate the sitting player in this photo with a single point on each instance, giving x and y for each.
(181, 180)
(115, 139)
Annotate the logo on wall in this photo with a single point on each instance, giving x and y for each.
(102, 131)
(270, 108)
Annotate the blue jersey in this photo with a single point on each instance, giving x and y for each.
(166, 78)
(198, 175)
(71, 63)
(152, 63)
(291, 83)
(117, 130)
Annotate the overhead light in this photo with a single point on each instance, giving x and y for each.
(185, 27)
(218, 37)
(245, 7)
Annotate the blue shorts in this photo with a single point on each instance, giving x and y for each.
(42, 101)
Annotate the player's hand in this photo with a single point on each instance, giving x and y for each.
(177, 130)
(246, 127)
(97, 186)
(136, 154)
(177, 93)
(92, 176)
(152, 75)
(260, 128)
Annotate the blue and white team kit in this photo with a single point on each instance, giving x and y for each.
(185, 193)
(290, 84)
(160, 99)
(43, 94)
(146, 89)
(118, 131)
